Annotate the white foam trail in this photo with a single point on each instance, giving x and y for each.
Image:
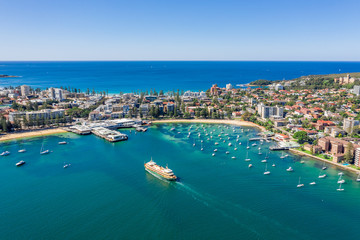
(218, 205)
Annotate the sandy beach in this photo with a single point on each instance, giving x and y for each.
(234, 122)
(34, 133)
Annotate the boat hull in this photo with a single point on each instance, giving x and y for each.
(159, 175)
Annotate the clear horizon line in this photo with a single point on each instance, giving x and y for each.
(167, 60)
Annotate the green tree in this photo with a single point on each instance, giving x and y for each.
(348, 156)
(301, 136)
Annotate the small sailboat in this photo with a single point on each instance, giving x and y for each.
(358, 177)
(273, 165)
(62, 143)
(267, 155)
(300, 184)
(324, 167)
(312, 183)
(202, 149)
(42, 151)
(282, 155)
(194, 143)
(247, 157)
(215, 150)
(340, 189)
(254, 144)
(290, 169)
(213, 154)
(247, 147)
(340, 173)
(233, 157)
(67, 165)
(5, 153)
(20, 163)
(264, 161)
(340, 180)
(322, 176)
(22, 150)
(227, 152)
(266, 172)
(260, 152)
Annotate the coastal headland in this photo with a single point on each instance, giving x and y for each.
(34, 133)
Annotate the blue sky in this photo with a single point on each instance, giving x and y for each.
(179, 30)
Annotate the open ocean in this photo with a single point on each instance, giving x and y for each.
(106, 193)
(160, 75)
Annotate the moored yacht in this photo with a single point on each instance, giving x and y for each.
(247, 157)
(22, 150)
(290, 169)
(266, 171)
(5, 153)
(300, 184)
(67, 165)
(20, 163)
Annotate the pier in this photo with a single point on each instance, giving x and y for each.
(259, 138)
(278, 148)
(109, 135)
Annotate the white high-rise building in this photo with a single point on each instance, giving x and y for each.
(25, 90)
(279, 87)
(229, 86)
(56, 94)
(356, 90)
(349, 124)
(267, 111)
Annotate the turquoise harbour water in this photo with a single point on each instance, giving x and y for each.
(106, 193)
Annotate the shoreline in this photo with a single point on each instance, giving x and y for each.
(251, 124)
(35, 133)
(213, 121)
(324, 160)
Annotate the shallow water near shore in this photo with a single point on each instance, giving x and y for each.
(106, 194)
